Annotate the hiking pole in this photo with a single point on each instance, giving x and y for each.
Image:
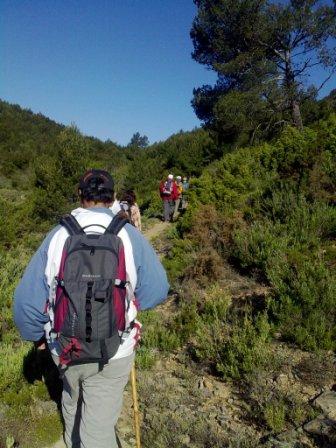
(135, 408)
(117, 439)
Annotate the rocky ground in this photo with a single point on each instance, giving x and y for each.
(183, 405)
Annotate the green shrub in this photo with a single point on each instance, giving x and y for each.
(232, 342)
(247, 348)
(145, 358)
(274, 218)
(157, 336)
(56, 176)
(178, 258)
(275, 415)
(154, 207)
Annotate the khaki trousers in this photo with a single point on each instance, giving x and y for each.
(92, 401)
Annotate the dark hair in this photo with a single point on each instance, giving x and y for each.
(96, 191)
(128, 196)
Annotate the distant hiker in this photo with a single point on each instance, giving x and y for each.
(168, 193)
(185, 188)
(77, 295)
(179, 189)
(128, 204)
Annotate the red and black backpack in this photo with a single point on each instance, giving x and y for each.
(91, 299)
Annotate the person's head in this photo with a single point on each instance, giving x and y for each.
(128, 196)
(185, 179)
(170, 177)
(96, 188)
(178, 178)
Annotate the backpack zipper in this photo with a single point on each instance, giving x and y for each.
(92, 249)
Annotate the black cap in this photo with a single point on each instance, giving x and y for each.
(99, 179)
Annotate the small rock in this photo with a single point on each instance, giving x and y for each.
(207, 384)
(207, 393)
(327, 403)
(322, 426)
(276, 443)
(288, 436)
(222, 419)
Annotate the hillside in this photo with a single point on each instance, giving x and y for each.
(269, 213)
(246, 341)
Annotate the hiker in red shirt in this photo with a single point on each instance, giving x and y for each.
(169, 194)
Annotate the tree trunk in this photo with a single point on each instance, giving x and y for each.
(296, 115)
(291, 88)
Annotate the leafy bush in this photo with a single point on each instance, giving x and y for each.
(56, 176)
(178, 258)
(233, 348)
(271, 213)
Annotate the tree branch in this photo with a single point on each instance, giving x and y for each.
(299, 72)
(327, 79)
(309, 50)
(300, 37)
(269, 47)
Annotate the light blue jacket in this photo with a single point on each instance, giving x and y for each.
(31, 295)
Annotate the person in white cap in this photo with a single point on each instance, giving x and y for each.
(168, 193)
(179, 194)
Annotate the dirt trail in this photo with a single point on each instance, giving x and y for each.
(156, 229)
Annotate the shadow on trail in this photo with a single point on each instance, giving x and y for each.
(38, 365)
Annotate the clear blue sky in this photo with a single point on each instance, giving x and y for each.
(113, 67)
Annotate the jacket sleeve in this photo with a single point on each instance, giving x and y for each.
(31, 294)
(152, 286)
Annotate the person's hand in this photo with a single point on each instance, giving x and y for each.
(41, 344)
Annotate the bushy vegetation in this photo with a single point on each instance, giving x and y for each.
(273, 216)
(23, 394)
(267, 210)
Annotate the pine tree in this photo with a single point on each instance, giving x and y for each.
(263, 52)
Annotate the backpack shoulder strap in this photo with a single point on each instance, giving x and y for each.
(71, 224)
(116, 224)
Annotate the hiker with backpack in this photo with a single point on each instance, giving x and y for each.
(80, 294)
(168, 193)
(130, 207)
